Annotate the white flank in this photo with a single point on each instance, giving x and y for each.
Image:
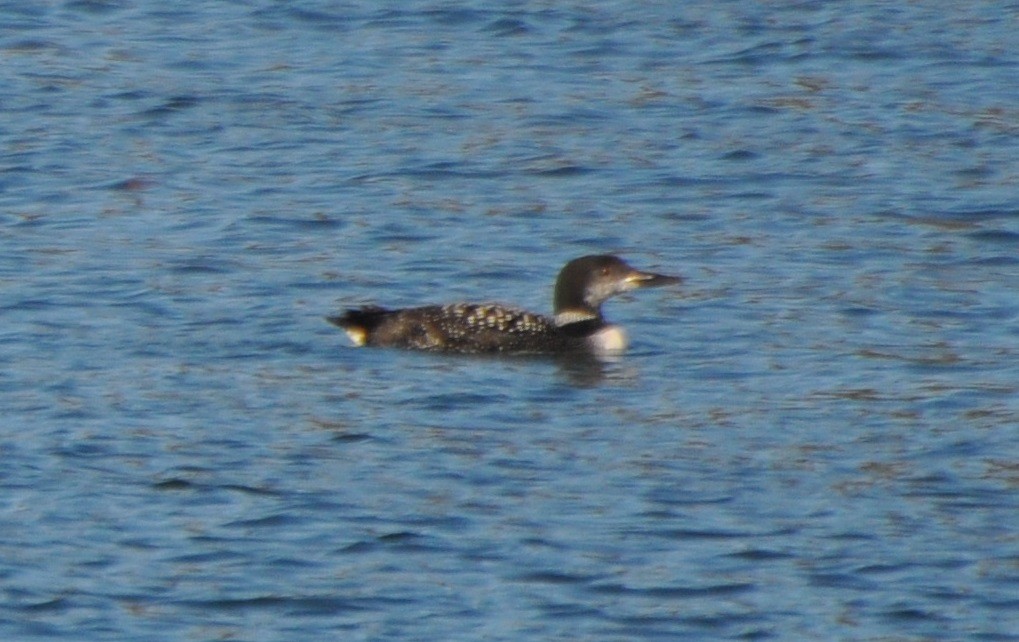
(357, 335)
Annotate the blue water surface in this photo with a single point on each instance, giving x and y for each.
(815, 437)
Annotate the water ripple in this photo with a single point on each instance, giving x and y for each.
(813, 438)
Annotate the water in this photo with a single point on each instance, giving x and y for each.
(814, 438)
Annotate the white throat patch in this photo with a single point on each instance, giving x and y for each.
(572, 316)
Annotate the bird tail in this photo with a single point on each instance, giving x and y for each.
(360, 323)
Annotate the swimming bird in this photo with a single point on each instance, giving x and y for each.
(577, 324)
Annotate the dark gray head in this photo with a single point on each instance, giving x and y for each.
(585, 283)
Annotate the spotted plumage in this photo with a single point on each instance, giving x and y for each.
(583, 285)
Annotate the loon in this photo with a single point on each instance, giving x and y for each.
(577, 324)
